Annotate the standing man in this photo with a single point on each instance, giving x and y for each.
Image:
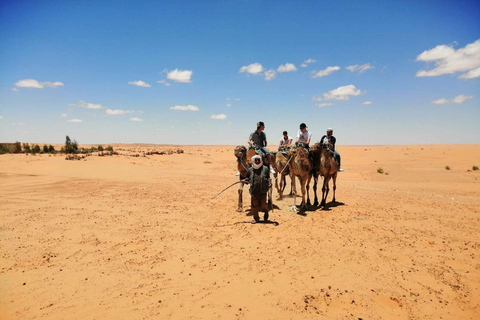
(304, 136)
(285, 141)
(259, 139)
(330, 140)
(258, 176)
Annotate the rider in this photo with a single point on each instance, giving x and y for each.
(303, 135)
(258, 138)
(331, 140)
(285, 141)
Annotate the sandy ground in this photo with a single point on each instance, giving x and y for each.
(124, 237)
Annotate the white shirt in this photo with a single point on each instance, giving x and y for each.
(285, 141)
(304, 136)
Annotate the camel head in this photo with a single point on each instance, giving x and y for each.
(240, 151)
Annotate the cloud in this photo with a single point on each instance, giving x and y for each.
(340, 93)
(32, 83)
(325, 72)
(184, 76)
(360, 68)
(218, 116)
(167, 84)
(254, 68)
(270, 75)
(458, 99)
(1, 117)
(229, 105)
(118, 112)
(87, 105)
(15, 89)
(75, 120)
(64, 115)
(440, 101)
(135, 119)
(21, 124)
(324, 104)
(185, 108)
(287, 67)
(367, 102)
(448, 61)
(139, 83)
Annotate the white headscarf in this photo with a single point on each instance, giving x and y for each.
(254, 165)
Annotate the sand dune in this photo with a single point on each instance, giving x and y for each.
(140, 237)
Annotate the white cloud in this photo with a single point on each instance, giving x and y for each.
(367, 102)
(21, 124)
(360, 68)
(135, 119)
(324, 104)
(87, 105)
(74, 120)
(448, 60)
(325, 72)
(270, 75)
(474, 73)
(185, 108)
(461, 98)
(164, 82)
(218, 116)
(1, 117)
(15, 89)
(32, 83)
(440, 101)
(139, 83)
(340, 93)
(287, 67)
(118, 112)
(64, 115)
(458, 99)
(254, 68)
(237, 99)
(184, 76)
(229, 105)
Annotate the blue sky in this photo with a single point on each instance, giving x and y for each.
(204, 72)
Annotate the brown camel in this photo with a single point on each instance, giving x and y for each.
(301, 166)
(244, 162)
(327, 167)
(282, 171)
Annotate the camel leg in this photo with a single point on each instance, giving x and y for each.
(270, 195)
(315, 182)
(276, 182)
(308, 193)
(294, 206)
(334, 185)
(240, 198)
(282, 187)
(303, 182)
(293, 188)
(325, 190)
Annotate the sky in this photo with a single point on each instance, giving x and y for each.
(205, 72)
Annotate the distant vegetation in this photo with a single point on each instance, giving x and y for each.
(70, 147)
(380, 170)
(474, 168)
(447, 167)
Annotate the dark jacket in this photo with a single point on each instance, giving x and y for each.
(259, 180)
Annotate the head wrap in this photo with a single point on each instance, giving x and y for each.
(254, 165)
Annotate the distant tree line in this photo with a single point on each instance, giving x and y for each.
(69, 147)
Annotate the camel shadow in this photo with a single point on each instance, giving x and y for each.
(332, 204)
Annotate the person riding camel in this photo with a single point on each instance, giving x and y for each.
(304, 136)
(285, 141)
(258, 139)
(330, 141)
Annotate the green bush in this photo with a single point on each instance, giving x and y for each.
(380, 170)
(447, 168)
(474, 168)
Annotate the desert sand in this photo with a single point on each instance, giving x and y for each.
(127, 237)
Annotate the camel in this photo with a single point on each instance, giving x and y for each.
(282, 170)
(244, 162)
(327, 167)
(301, 166)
